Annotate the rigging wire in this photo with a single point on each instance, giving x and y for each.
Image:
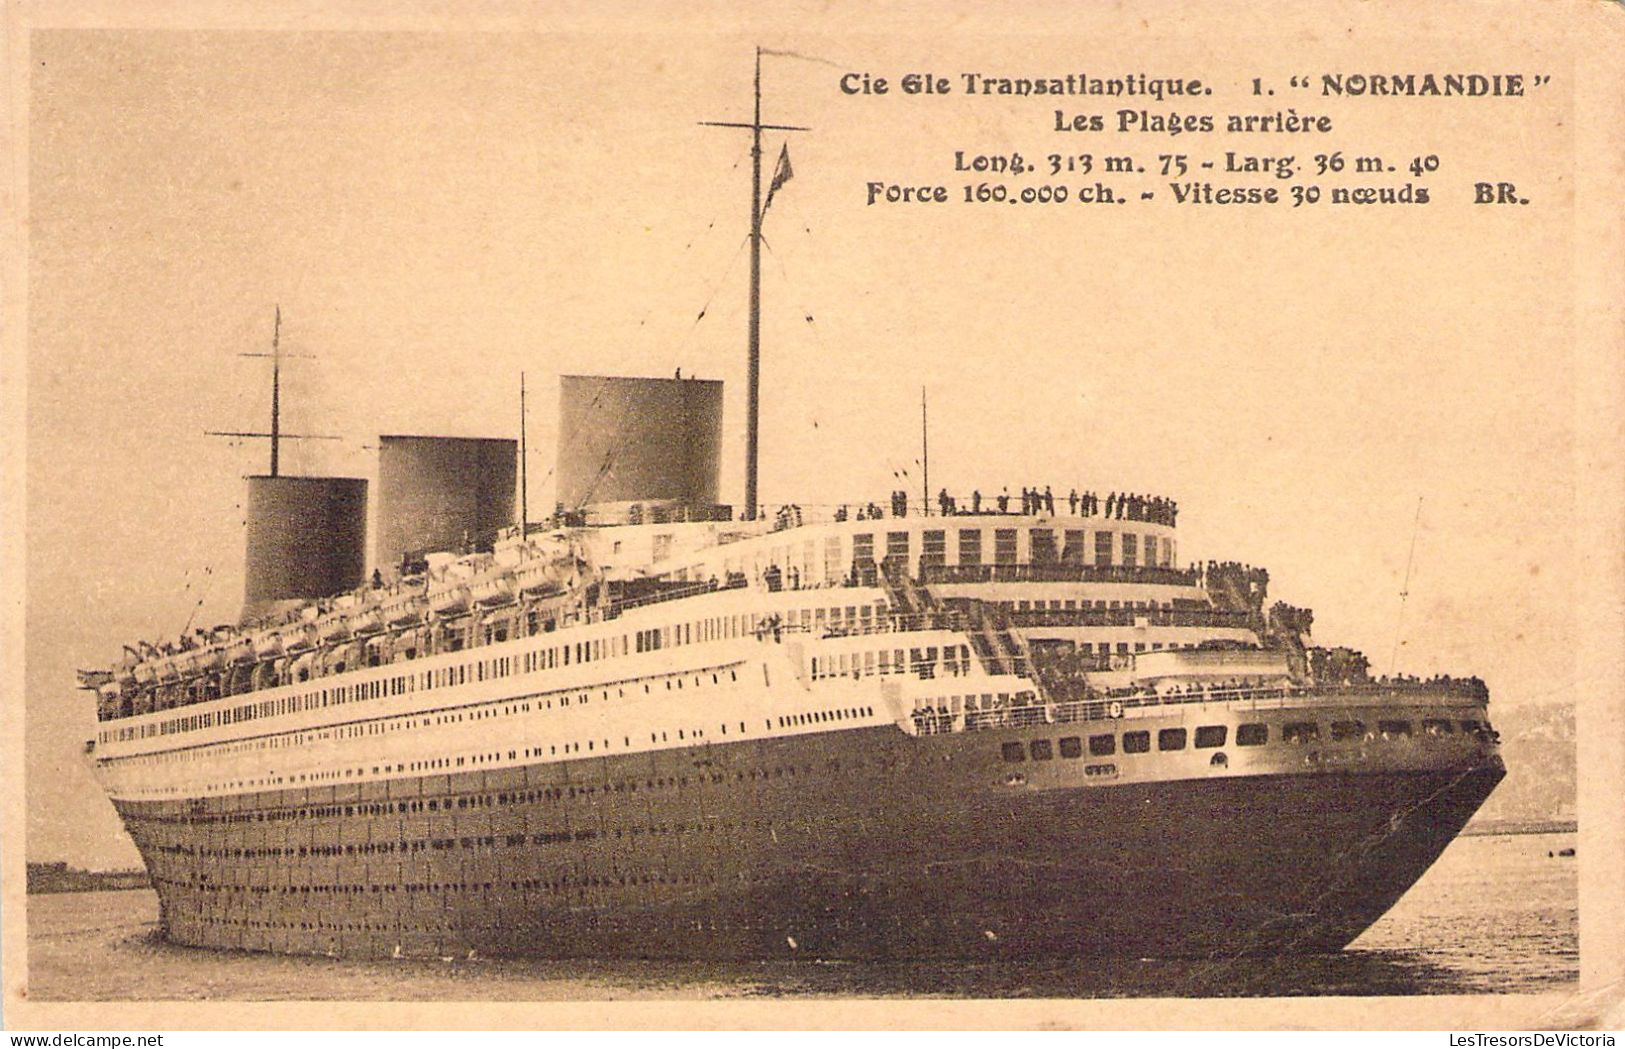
(900, 473)
(565, 443)
(208, 572)
(607, 468)
(695, 238)
(1405, 591)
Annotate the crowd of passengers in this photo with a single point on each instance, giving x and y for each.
(1123, 506)
(1201, 688)
(1243, 574)
(1472, 685)
(1400, 682)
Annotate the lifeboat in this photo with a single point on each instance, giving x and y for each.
(168, 669)
(409, 615)
(298, 637)
(189, 664)
(211, 659)
(268, 645)
(493, 590)
(403, 609)
(96, 679)
(448, 597)
(369, 620)
(240, 650)
(145, 672)
(334, 627)
(539, 577)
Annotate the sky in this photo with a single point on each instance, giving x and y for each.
(1323, 390)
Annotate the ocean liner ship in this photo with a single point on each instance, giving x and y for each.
(653, 725)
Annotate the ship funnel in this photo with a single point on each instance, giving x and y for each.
(307, 539)
(639, 440)
(438, 493)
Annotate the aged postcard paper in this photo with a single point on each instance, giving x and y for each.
(989, 516)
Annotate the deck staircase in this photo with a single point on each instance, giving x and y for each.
(906, 595)
(992, 635)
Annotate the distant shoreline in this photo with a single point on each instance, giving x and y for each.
(1484, 827)
(59, 877)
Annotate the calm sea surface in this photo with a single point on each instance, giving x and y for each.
(1496, 913)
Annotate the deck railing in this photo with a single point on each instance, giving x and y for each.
(935, 721)
(672, 593)
(1067, 617)
(1057, 572)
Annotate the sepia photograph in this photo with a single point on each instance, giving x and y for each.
(1049, 507)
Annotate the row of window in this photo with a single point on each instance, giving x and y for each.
(374, 726)
(1120, 548)
(1044, 546)
(475, 801)
(820, 717)
(923, 662)
(864, 618)
(408, 846)
(1253, 734)
(559, 882)
(497, 667)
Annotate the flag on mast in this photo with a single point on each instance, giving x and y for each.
(781, 175)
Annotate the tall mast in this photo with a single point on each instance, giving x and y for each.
(276, 387)
(753, 394)
(753, 398)
(524, 480)
(276, 435)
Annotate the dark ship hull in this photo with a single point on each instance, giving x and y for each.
(866, 843)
